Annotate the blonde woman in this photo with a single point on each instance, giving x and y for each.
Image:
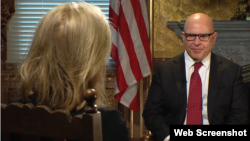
(68, 55)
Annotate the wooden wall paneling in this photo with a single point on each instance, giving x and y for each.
(7, 9)
(10, 83)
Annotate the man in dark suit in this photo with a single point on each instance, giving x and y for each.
(222, 99)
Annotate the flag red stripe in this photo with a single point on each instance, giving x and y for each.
(142, 28)
(113, 18)
(120, 78)
(128, 42)
(114, 53)
(135, 104)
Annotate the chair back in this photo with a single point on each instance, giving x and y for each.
(38, 123)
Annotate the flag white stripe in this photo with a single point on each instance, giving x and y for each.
(129, 94)
(135, 35)
(116, 88)
(124, 58)
(114, 35)
(144, 13)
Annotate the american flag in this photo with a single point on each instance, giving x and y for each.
(130, 48)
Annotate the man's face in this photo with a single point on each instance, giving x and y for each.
(198, 49)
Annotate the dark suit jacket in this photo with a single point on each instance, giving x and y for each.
(167, 98)
(113, 124)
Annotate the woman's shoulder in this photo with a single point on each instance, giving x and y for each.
(112, 117)
(110, 112)
(113, 125)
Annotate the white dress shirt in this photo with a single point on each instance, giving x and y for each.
(204, 74)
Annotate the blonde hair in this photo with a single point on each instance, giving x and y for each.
(68, 55)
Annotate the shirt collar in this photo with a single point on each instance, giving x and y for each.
(189, 61)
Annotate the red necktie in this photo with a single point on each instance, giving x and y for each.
(194, 109)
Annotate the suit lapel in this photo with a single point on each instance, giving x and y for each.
(178, 70)
(216, 71)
